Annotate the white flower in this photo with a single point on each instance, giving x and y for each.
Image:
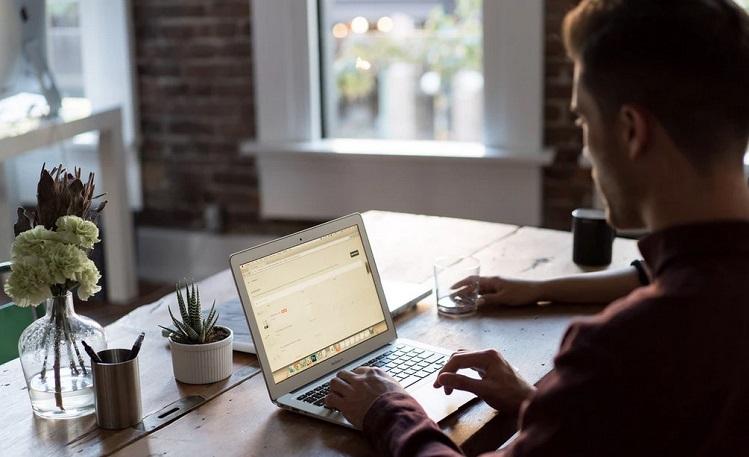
(65, 261)
(43, 259)
(74, 230)
(32, 242)
(28, 284)
(88, 279)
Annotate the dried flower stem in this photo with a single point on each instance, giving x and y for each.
(43, 373)
(73, 368)
(56, 365)
(71, 341)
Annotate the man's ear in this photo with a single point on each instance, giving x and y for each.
(634, 130)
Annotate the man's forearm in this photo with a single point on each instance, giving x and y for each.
(397, 426)
(598, 287)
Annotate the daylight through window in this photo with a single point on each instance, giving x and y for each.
(409, 70)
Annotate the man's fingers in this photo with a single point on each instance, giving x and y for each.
(464, 291)
(476, 360)
(469, 281)
(364, 370)
(452, 381)
(487, 284)
(347, 376)
(340, 386)
(364, 373)
(334, 400)
(492, 299)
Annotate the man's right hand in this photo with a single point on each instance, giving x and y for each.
(500, 386)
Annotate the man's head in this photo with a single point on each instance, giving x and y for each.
(658, 81)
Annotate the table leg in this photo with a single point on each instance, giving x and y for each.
(119, 246)
(8, 202)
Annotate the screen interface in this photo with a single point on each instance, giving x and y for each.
(313, 301)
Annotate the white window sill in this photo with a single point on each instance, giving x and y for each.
(328, 178)
(420, 150)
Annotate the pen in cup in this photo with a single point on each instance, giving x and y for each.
(136, 346)
(94, 356)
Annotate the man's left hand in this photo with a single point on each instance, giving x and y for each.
(353, 393)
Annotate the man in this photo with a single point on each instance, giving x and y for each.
(662, 94)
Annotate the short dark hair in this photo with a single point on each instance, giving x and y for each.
(685, 61)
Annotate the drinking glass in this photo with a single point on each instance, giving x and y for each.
(456, 285)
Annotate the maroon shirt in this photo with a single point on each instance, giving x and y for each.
(663, 371)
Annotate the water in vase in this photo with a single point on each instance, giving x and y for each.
(76, 394)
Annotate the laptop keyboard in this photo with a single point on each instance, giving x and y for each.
(406, 364)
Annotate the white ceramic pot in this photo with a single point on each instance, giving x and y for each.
(202, 363)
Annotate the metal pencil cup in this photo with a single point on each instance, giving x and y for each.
(117, 390)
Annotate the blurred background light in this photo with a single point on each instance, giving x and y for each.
(360, 24)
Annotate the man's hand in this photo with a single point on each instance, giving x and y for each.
(500, 386)
(495, 290)
(353, 393)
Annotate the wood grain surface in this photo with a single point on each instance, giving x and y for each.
(27, 435)
(238, 418)
(250, 425)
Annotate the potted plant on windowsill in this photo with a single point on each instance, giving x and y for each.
(201, 350)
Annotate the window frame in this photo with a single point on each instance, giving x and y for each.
(287, 73)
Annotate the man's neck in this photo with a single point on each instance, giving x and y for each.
(715, 198)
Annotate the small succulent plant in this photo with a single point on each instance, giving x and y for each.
(193, 328)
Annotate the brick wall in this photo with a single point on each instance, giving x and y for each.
(194, 64)
(566, 186)
(196, 103)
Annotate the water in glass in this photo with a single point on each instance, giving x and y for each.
(456, 285)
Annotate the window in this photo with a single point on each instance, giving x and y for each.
(407, 70)
(301, 118)
(64, 46)
(81, 35)
(377, 85)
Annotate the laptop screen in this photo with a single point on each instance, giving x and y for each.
(313, 301)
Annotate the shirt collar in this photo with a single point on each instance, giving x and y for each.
(663, 247)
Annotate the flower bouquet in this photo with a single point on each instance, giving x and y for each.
(50, 260)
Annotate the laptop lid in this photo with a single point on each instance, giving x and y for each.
(313, 301)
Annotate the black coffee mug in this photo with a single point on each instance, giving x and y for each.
(592, 238)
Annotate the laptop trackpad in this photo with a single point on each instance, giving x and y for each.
(434, 401)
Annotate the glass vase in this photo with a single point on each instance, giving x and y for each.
(56, 367)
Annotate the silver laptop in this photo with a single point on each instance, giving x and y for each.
(315, 305)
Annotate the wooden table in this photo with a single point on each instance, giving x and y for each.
(236, 418)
